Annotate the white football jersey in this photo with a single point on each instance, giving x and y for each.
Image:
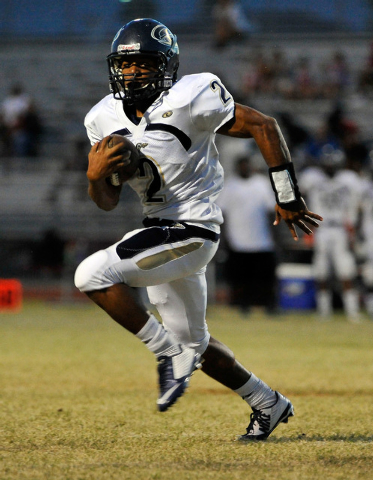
(336, 199)
(247, 202)
(181, 176)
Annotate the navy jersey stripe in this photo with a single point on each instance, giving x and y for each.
(183, 138)
(122, 131)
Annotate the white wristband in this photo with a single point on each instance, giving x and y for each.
(284, 186)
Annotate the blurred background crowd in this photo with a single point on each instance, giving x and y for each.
(308, 65)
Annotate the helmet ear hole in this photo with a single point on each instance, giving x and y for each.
(146, 37)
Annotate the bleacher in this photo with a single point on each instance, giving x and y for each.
(66, 78)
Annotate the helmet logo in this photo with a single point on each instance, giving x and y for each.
(162, 34)
(128, 48)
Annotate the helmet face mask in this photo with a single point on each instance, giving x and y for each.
(132, 85)
(148, 38)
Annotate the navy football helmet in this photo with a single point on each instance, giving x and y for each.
(147, 37)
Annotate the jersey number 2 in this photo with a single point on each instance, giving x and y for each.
(149, 170)
(224, 97)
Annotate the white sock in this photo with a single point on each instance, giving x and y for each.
(157, 338)
(351, 302)
(324, 302)
(256, 393)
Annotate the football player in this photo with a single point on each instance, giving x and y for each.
(174, 124)
(335, 191)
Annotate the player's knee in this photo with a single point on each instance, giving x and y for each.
(89, 274)
(201, 345)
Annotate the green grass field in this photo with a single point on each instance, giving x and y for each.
(78, 400)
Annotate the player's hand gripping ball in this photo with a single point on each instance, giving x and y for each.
(127, 171)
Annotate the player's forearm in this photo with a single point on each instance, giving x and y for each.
(268, 136)
(272, 144)
(104, 195)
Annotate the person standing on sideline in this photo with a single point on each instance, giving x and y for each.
(367, 234)
(247, 201)
(174, 124)
(336, 192)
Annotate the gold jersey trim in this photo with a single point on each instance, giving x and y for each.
(158, 259)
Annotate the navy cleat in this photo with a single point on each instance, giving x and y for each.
(264, 421)
(175, 370)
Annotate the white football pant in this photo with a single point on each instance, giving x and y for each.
(171, 263)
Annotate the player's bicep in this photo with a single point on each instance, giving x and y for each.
(245, 123)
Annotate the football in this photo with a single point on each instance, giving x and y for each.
(126, 172)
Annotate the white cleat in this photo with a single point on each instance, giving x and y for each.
(264, 421)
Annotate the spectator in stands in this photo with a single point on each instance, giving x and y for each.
(274, 74)
(366, 75)
(33, 130)
(247, 200)
(267, 74)
(281, 70)
(305, 83)
(230, 23)
(21, 122)
(337, 76)
(257, 77)
(14, 108)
